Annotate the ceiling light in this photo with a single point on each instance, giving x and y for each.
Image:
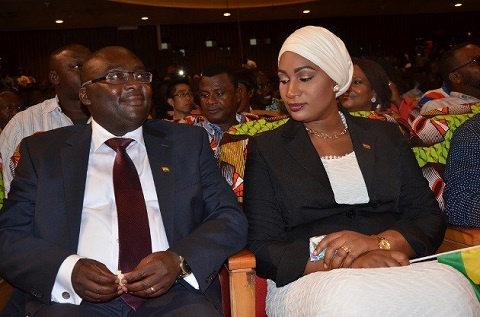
(306, 11)
(144, 18)
(226, 14)
(458, 4)
(59, 21)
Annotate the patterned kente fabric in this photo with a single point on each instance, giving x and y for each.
(430, 136)
(233, 152)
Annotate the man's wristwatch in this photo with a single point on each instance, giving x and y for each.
(383, 243)
(184, 267)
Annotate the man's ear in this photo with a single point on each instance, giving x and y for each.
(455, 77)
(251, 92)
(82, 95)
(238, 94)
(170, 102)
(53, 77)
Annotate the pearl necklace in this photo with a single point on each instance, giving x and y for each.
(330, 137)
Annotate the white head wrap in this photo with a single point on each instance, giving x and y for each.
(324, 49)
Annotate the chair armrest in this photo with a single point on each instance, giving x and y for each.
(459, 237)
(467, 236)
(241, 272)
(5, 293)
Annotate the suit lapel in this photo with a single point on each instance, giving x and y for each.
(160, 156)
(299, 146)
(74, 160)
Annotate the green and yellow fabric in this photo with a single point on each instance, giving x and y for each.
(233, 152)
(467, 262)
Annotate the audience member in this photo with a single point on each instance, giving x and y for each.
(462, 176)
(459, 68)
(247, 85)
(180, 98)
(10, 105)
(65, 201)
(353, 181)
(219, 98)
(63, 110)
(369, 89)
(264, 99)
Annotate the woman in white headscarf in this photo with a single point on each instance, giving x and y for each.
(326, 173)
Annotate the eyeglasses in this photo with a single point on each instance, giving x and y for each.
(475, 60)
(184, 94)
(118, 78)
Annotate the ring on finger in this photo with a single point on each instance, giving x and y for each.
(152, 289)
(346, 249)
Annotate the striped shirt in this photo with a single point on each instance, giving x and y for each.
(455, 98)
(41, 117)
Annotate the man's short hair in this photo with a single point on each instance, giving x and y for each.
(448, 61)
(218, 69)
(175, 83)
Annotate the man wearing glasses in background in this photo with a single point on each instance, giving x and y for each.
(460, 69)
(180, 98)
(96, 227)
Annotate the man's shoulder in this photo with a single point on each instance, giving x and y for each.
(57, 133)
(172, 129)
(41, 107)
(32, 113)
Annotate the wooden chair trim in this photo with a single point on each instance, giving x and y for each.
(241, 272)
(5, 292)
(241, 260)
(463, 235)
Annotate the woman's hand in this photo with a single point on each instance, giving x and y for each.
(349, 245)
(380, 258)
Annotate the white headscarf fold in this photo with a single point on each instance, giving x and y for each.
(324, 49)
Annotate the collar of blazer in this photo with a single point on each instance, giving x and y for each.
(363, 137)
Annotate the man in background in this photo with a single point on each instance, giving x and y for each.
(460, 69)
(65, 109)
(10, 105)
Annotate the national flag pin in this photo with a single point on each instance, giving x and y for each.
(165, 169)
(366, 146)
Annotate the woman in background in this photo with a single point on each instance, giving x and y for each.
(369, 89)
(353, 180)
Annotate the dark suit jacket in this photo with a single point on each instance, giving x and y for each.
(40, 222)
(288, 197)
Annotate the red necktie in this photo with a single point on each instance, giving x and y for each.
(133, 229)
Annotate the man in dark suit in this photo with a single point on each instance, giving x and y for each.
(59, 236)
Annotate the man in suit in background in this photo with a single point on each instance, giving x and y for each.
(60, 242)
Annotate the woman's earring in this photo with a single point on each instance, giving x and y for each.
(336, 88)
(373, 99)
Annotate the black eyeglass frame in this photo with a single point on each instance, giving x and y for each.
(96, 80)
(475, 60)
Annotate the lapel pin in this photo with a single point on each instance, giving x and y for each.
(165, 169)
(366, 146)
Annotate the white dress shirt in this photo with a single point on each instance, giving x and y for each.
(98, 238)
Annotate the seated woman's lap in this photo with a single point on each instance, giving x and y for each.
(425, 289)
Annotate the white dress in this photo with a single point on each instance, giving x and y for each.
(421, 289)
